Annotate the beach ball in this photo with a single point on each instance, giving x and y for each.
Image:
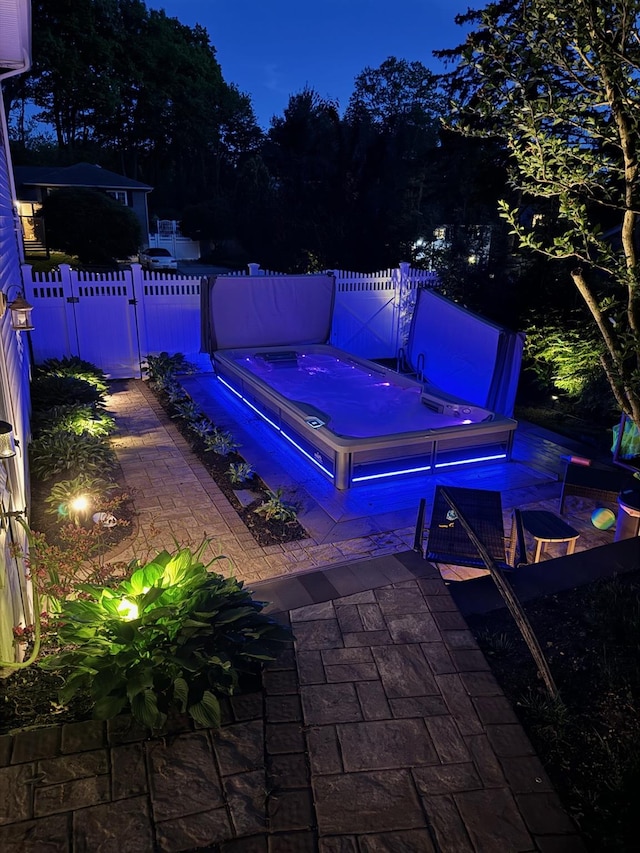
(603, 519)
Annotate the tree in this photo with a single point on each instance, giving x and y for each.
(392, 121)
(304, 154)
(558, 81)
(90, 224)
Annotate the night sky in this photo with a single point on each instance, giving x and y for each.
(272, 49)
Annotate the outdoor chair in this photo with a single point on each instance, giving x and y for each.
(586, 479)
(448, 541)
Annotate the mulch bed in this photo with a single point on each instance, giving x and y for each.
(265, 531)
(590, 741)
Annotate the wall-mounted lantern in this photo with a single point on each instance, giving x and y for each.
(7, 441)
(20, 312)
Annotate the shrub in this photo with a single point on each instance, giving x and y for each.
(56, 570)
(50, 391)
(173, 636)
(55, 452)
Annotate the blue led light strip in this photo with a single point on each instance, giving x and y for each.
(475, 459)
(364, 477)
(277, 428)
(390, 474)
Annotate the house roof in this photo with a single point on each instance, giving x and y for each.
(80, 175)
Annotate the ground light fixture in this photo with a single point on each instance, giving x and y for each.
(78, 506)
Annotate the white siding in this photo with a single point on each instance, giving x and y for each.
(14, 408)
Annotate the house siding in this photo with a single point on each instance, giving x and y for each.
(14, 408)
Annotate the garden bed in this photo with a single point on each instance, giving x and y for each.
(590, 741)
(266, 527)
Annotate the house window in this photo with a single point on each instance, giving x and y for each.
(119, 195)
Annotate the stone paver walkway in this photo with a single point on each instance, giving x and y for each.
(381, 731)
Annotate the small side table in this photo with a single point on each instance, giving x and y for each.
(545, 527)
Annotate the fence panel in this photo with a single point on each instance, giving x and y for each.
(106, 324)
(115, 319)
(365, 315)
(169, 315)
(55, 335)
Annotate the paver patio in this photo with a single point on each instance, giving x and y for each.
(380, 730)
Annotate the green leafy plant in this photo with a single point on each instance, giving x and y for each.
(498, 644)
(201, 427)
(174, 636)
(57, 569)
(63, 494)
(50, 391)
(220, 442)
(55, 452)
(162, 366)
(76, 368)
(274, 508)
(174, 391)
(240, 472)
(188, 410)
(76, 418)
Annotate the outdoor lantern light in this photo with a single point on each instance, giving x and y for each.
(7, 441)
(21, 314)
(20, 311)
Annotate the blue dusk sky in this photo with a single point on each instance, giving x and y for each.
(272, 49)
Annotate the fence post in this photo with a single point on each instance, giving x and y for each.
(67, 276)
(139, 308)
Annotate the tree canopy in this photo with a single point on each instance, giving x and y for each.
(557, 81)
(90, 224)
(142, 94)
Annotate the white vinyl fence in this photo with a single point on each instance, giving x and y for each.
(115, 319)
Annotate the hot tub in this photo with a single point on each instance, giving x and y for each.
(355, 420)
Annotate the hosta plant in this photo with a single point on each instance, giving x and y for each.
(188, 410)
(55, 452)
(240, 472)
(276, 509)
(76, 418)
(75, 367)
(220, 442)
(50, 391)
(63, 495)
(201, 427)
(175, 636)
(162, 366)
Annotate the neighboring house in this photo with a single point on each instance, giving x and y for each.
(33, 183)
(15, 608)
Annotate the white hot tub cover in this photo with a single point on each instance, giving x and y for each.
(264, 311)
